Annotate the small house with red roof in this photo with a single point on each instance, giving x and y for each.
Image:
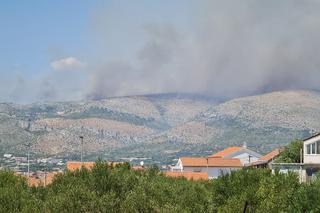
(243, 153)
(266, 160)
(214, 167)
(223, 162)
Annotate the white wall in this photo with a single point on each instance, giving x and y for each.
(310, 158)
(177, 167)
(213, 172)
(244, 158)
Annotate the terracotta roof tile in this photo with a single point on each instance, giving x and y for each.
(226, 151)
(44, 179)
(74, 165)
(34, 181)
(211, 162)
(270, 155)
(137, 168)
(188, 175)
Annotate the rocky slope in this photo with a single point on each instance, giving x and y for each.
(159, 127)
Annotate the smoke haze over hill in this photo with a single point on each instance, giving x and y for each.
(229, 49)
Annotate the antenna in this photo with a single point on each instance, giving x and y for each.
(244, 145)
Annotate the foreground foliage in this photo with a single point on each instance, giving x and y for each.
(291, 153)
(120, 189)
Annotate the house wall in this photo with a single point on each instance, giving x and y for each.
(310, 158)
(213, 172)
(243, 156)
(178, 167)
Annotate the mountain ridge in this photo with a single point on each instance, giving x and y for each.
(159, 127)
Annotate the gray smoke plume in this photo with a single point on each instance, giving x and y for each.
(235, 48)
(229, 49)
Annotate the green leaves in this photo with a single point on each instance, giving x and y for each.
(15, 195)
(108, 188)
(291, 153)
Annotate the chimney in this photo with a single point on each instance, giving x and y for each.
(244, 145)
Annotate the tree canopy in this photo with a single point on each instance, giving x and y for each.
(120, 189)
(291, 153)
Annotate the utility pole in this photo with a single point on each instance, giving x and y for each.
(28, 145)
(45, 177)
(207, 166)
(81, 138)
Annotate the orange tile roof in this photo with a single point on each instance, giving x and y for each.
(137, 168)
(188, 175)
(211, 162)
(270, 155)
(226, 151)
(74, 165)
(34, 181)
(45, 179)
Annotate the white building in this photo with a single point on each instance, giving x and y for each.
(7, 155)
(214, 167)
(311, 156)
(310, 163)
(311, 147)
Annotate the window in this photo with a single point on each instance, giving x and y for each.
(318, 147)
(313, 148)
(197, 170)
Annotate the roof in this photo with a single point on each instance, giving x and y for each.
(257, 163)
(43, 180)
(188, 175)
(226, 151)
(313, 136)
(211, 162)
(74, 165)
(270, 155)
(136, 168)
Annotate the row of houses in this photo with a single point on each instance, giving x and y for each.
(223, 162)
(234, 158)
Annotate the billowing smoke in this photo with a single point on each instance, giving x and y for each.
(234, 48)
(229, 49)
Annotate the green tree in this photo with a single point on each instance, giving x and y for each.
(291, 153)
(15, 195)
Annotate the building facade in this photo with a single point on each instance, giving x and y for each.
(214, 167)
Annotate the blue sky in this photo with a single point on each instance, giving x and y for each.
(32, 32)
(78, 49)
(35, 33)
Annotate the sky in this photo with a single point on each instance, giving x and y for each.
(77, 49)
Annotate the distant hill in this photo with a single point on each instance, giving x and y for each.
(158, 127)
